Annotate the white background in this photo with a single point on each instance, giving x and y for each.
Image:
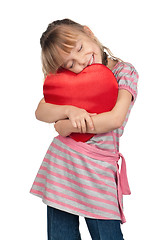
(130, 30)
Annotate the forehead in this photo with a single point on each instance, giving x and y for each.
(68, 48)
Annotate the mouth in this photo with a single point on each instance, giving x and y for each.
(91, 61)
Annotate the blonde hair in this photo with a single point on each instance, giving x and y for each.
(61, 36)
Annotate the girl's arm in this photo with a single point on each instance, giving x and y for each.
(103, 122)
(51, 113)
(108, 121)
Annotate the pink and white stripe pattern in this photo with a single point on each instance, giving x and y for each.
(86, 182)
(127, 78)
(77, 183)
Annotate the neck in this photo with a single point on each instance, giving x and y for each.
(111, 63)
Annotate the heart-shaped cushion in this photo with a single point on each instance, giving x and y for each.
(95, 89)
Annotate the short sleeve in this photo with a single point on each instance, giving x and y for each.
(127, 78)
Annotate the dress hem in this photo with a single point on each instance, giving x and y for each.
(48, 203)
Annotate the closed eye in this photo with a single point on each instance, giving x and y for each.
(71, 65)
(80, 48)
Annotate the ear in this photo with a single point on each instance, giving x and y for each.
(88, 31)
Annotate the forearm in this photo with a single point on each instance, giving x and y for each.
(50, 113)
(65, 127)
(104, 122)
(108, 121)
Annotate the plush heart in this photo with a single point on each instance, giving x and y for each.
(95, 89)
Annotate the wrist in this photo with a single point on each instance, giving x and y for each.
(66, 109)
(70, 127)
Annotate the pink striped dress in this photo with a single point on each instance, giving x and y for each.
(83, 178)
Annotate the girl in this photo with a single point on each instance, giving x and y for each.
(76, 178)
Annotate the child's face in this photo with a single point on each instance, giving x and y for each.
(85, 52)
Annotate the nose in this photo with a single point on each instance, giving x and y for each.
(81, 60)
(79, 66)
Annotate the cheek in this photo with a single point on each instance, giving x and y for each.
(97, 51)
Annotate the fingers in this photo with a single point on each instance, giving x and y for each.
(90, 122)
(81, 124)
(82, 121)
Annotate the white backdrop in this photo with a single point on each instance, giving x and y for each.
(130, 30)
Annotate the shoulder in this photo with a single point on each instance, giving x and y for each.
(124, 68)
(127, 77)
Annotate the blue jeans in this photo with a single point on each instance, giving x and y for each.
(65, 226)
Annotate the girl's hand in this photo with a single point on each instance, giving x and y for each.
(79, 118)
(64, 127)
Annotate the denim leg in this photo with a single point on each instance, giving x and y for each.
(104, 229)
(62, 225)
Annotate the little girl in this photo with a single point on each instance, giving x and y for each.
(76, 178)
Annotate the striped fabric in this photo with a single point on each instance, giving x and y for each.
(77, 181)
(127, 78)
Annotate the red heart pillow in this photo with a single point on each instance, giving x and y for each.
(95, 89)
